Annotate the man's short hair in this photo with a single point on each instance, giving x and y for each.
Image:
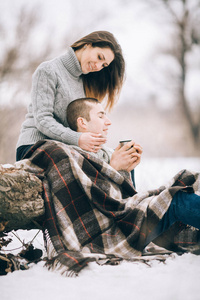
(79, 108)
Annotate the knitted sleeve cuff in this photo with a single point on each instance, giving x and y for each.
(71, 137)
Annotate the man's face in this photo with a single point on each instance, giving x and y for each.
(99, 122)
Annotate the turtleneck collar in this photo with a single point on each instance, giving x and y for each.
(71, 63)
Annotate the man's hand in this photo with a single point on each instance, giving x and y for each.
(126, 157)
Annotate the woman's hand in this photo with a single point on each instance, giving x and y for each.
(126, 157)
(91, 141)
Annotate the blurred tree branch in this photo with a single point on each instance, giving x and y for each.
(184, 18)
(20, 51)
(19, 56)
(188, 36)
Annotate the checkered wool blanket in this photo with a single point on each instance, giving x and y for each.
(93, 213)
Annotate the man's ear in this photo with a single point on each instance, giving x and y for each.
(81, 124)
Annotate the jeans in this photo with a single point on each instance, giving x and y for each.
(21, 151)
(185, 207)
(133, 178)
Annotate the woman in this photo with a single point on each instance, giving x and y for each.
(94, 67)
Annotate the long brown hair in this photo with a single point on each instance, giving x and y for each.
(108, 81)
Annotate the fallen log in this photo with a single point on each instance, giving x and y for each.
(21, 202)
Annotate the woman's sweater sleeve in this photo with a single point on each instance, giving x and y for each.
(43, 101)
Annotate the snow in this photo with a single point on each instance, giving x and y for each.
(177, 278)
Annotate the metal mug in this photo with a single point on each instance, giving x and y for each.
(122, 143)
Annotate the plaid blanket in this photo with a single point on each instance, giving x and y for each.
(93, 212)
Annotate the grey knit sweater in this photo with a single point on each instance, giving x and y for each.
(55, 84)
(104, 153)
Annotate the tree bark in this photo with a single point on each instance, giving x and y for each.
(21, 202)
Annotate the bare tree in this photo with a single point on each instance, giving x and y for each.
(183, 18)
(19, 51)
(19, 58)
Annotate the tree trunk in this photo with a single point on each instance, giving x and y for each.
(21, 202)
(194, 128)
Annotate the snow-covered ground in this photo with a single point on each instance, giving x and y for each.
(177, 278)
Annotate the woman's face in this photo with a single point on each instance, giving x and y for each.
(93, 59)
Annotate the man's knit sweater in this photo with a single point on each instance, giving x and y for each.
(55, 84)
(104, 153)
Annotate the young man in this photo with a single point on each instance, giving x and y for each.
(87, 115)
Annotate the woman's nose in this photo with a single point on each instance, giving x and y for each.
(98, 65)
